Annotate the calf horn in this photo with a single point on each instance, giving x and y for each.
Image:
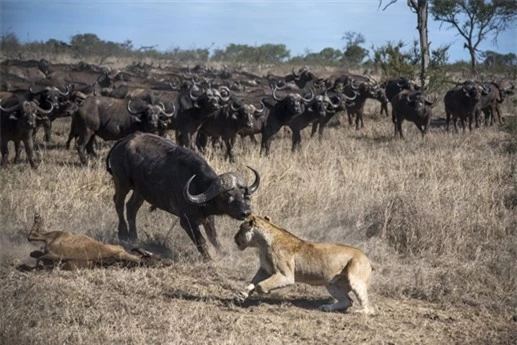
(11, 109)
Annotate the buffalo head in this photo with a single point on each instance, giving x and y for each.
(294, 102)
(228, 193)
(27, 112)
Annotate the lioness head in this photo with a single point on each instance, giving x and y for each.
(245, 235)
(248, 234)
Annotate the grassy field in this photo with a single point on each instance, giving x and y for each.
(437, 217)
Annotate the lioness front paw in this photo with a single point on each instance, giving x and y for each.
(241, 296)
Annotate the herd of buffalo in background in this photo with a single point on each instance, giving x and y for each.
(138, 105)
(203, 104)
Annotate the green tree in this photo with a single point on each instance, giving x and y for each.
(475, 20)
(353, 52)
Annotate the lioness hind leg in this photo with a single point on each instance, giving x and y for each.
(339, 290)
(360, 289)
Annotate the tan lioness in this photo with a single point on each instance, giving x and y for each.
(74, 251)
(286, 259)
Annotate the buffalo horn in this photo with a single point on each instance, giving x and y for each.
(350, 98)
(11, 109)
(235, 106)
(61, 92)
(275, 96)
(261, 110)
(44, 111)
(307, 100)
(294, 73)
(254, 186)
(207, 195)
(130, 110)
(224, 90)
(167, 114)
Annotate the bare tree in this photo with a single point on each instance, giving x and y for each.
(420, 7)
(475, 20)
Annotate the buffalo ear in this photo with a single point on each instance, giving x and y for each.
(267, 218)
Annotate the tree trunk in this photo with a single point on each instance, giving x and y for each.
(424, 42)
(472, 53)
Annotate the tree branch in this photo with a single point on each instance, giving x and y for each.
(388, 5)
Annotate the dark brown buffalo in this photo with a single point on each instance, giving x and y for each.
(318, 112)
(463, 102)
(227, 123)
(206, 103)
(281, 114)
(112, 119)
(17, 124)
(411, 106)
(177, 180)
(489, 103)
(361, 88)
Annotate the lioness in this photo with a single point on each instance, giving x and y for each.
(286, 259)
(74, 251)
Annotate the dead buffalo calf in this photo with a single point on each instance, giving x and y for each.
(165, 174)
(75, 251)
(411, 106)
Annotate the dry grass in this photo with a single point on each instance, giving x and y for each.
(436, 216)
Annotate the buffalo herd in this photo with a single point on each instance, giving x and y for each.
(138, 106)
(202, 105)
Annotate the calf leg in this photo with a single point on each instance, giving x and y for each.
(133, 205)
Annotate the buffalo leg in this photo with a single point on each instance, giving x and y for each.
(133, 205)
(81, 143)
(359, 120)
(209, 225)
(118, 199)
(29, 149)
(399, 128)
(296, 140)
(47, 127)
(194, 233)
(4, 149)
(17, 151)
(314, 128)
(267, 136)
(229, 149)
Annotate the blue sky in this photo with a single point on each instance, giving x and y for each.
(301, 25)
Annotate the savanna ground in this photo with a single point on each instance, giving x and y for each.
(437, 217)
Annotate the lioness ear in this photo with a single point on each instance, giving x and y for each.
(267, 218)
